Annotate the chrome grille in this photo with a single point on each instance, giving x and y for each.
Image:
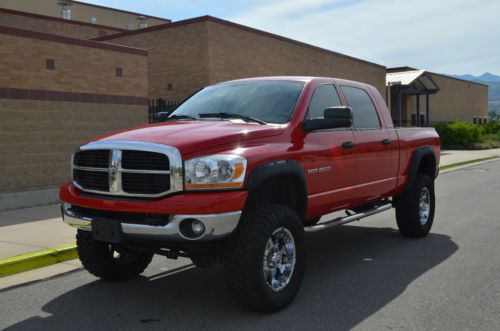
(144, 160)
(127, 169)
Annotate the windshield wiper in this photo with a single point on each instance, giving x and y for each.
(233, 115)
(180, 117)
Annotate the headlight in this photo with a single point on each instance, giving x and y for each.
(220, 171)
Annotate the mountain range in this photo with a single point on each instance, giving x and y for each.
(493, 81)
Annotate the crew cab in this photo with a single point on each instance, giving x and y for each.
(239, 173)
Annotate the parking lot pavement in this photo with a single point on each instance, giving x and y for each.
(359, 276)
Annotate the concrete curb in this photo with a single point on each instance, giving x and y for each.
(468, 162)
(29, 261)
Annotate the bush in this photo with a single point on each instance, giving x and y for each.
(460, 133)
(492, 127)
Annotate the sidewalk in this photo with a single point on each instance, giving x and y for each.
(33, 229)
(451, 157)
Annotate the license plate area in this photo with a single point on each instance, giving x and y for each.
(107, 230)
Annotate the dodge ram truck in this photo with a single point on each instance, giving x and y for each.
(239, 173)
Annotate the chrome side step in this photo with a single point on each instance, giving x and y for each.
(347, 219)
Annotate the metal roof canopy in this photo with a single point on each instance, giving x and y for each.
(412, 82)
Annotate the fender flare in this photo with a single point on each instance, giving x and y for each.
(417, 157)
(278, 168)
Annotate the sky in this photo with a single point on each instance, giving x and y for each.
(444, 36)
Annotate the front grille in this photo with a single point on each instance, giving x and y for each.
(145, 183)
(144, 160)
(136, 218)
(124, 172)
(92, 180)
(98, 158)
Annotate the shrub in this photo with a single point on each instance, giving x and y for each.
(492, 127)
(460, 133)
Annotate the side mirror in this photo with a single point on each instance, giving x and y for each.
(334, 117)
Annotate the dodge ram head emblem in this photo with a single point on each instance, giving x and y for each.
(115, 180)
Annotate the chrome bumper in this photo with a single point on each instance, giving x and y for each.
(216, 226)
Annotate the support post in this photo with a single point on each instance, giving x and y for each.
(418, 109)
(427, 119)
(400, 112)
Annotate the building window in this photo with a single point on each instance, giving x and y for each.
(93, 20)
(50, 64)
(65, 9)
(131, 26)
(170, 87)
(143, 21)
(119, 72)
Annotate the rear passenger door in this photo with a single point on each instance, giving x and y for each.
(373, 148)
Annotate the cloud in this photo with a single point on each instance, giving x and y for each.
(452, 36)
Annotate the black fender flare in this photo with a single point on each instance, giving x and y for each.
(417, 157)
(278, 168)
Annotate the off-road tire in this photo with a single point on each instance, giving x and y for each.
(408, 207)
(243, 261)
(97, 257)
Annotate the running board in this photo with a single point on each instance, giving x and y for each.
(347, 219)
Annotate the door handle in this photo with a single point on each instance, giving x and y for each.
(386, 141)
(347, 144)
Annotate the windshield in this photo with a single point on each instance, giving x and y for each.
(268, 101)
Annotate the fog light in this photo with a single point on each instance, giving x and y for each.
(197, 227)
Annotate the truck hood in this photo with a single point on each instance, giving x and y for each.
(191, 136)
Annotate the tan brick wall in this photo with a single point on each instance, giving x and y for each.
(177, 56)
(194, 55)
(53, 27)
(77, 68)
(236, 53)
(457, 100)
(37, 138)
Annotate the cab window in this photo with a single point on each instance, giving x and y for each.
(324, 96)
(363, 110)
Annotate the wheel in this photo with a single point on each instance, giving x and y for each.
(265, 259)
(415, 208)
(109, 261)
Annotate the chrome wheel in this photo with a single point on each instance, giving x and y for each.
(279, 259)
(424, 206)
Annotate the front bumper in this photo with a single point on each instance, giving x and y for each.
(216, 226)
(219, 212)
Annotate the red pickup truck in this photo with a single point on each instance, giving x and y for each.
(239, 172)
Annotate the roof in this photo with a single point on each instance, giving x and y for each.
(233, 25)
(414, 81)
(403, 77)
(407, 69)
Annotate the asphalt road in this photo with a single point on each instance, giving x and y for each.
(363, 276)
